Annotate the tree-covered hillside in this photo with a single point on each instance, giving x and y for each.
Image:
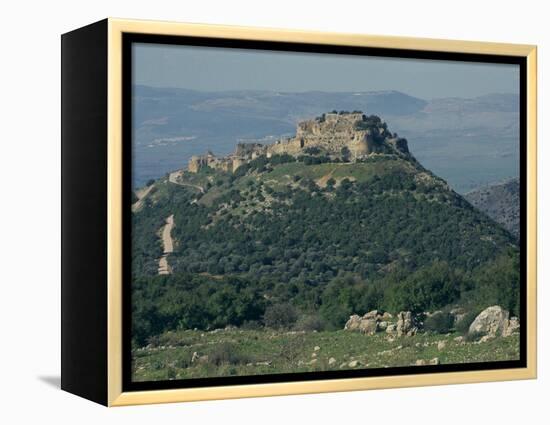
(322, 238)
(310, 222)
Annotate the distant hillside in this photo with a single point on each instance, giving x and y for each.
(171, 125)
(499, 201)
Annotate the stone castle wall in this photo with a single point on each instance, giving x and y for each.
(330, 133)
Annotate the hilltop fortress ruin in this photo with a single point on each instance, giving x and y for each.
(350, 136)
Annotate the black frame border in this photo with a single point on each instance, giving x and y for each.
(129, 38)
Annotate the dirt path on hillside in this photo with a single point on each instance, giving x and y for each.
(322, 182)
(173, 178)
(141, 194)
(168, 244)
(164, 267)
(167, 241)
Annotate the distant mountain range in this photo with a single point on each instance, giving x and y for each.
(469, 142)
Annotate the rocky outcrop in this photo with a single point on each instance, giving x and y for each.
(405, 324)
(491, 322)
(353, 323)
(457, 314)
(367, 324)
(512, 327)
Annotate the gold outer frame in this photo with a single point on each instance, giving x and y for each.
(116, 397)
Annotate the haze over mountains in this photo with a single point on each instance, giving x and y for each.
(468, 142)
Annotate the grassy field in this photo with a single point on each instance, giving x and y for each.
(197, 354)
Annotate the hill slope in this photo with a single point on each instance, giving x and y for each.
(317, 229)
(499, 201)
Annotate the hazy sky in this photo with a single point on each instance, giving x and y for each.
(215, 69)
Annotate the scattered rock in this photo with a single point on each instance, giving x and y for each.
(353, 363)
(490, 322)
(263, 363)
(313, 355)
(313, 361)
(485, 338)
(391, 328)
(343, 365)
(331, 361)
(382, 326)
(316, 348)
(432, 362)
(441, 345)
(459, 339)
(386, 316)
(194, 357)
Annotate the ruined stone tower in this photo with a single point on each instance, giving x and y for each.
(337, 135)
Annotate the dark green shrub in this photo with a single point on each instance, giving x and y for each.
(439, 322)
(310, 323)
(183, 361)
(227, 353)
(251, 325)
(312, 150)
(280, 316)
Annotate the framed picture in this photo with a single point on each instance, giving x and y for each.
(251, 212)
